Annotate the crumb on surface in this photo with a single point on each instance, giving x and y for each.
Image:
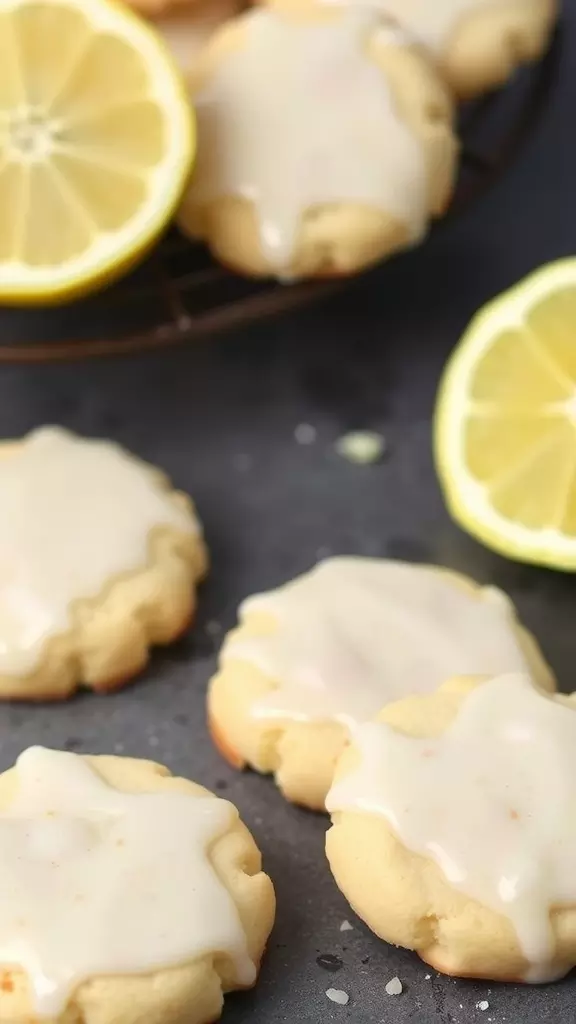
(482, 1005)
(305, 433)
(427, 977)
(346, 926)
(361, 446)
(394, 987)
(337, 995)
(329, 962)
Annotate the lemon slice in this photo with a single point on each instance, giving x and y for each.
(96, 142)
(505, 431)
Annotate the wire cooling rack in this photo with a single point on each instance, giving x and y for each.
(181, 294)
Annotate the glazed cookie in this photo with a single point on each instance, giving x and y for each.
(477, 44)
(187, 28)
(316, 657)
(99, 559)
(127, 895)
(325, 142)
(454, 828)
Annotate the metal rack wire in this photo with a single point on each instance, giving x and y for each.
(181, 294)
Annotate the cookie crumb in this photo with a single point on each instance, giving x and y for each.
(305, 433)
(427, 977)
(394, 987)
(482, 1005)
(346, 926)
(361, 446)
(338, 996)
(329, 962)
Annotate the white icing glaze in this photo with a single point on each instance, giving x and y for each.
(95, 882)
(356, 633)
(73, 515)
(432, 22)
(492, 801)
(297, 117)
(188, 29)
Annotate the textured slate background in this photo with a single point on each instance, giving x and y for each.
(220, 418)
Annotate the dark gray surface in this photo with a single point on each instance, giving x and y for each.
(220, 419)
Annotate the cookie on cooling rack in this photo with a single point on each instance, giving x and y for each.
(326, 651)
(325, 142)
(134, 896)
(454, 828)
(187, 28)
(477, 44)
(99, 559)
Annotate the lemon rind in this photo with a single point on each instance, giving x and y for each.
(468, 500)
(119, 250)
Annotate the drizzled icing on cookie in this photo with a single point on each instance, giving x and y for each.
(356, 633)
(74, 514)
(432, 22)
(94, 881)
(492, 801)
(297, 117)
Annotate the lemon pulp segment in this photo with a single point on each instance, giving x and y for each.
(505, 433)
(96, 139)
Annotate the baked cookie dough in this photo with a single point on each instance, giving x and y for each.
(326, 651)
(476, 44)
(158, 8)
(454, 828)
(324, 142)
(99, 559)
(188, 27)
(125, 894)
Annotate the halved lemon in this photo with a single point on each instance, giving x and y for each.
(505, 428)
(96, 142)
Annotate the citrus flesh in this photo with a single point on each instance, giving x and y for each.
(505, 424)
(96, 142)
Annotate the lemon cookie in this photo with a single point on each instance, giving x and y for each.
(326, 651)
(125, 894)
(477, 44)
(454, 829)
(187, 28)
(99, 558)
(325, 142)
(158, 8)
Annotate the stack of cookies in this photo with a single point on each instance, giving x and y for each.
(326, 127)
